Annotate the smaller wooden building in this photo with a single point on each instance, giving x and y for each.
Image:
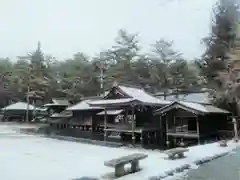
(60, 120)
(57, 106)
(187, 121)
(18, 111)
(85, 117)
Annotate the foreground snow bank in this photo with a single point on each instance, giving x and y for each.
(31, 157)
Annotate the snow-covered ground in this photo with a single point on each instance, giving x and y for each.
(28, 157)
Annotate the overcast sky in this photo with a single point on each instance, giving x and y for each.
(65, 27)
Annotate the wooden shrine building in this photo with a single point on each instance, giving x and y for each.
(133, 116)
(187, 121)
(135, 108)
(18, 112)
(60, 120)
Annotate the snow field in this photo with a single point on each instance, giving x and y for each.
(31, 157)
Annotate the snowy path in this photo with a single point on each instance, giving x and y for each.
(25, 157)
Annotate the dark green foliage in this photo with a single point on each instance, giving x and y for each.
(216, 64)
(219, 42)
(81, 75)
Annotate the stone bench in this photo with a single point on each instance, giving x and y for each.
(223, 143)
(176, 152)
(119, 163)
(86, 178)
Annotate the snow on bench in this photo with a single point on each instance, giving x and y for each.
(119, 163)
(179, 152)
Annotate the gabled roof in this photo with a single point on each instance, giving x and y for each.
(142, 95)
(195, 108)
(83, 105)
(58, 102)
(132, 94)
(19, 106)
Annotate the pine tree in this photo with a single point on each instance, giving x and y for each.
(219, 42)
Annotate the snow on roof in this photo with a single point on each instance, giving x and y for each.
(19, 106)
(199, 97)
(134, 94)
(62, 114)
(58, 102)
(203, 108)
(111, 112)
(111, 101)
(40, 109)
(83, 105)
(141, 95)
(63, 102)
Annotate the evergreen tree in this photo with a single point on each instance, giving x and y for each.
(216, 64)
(219, 42)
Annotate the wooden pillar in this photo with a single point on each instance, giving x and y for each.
(155, 137)
(182, 129)
(167, 140)
(148, 137)
(175, 141)
(235, 129)
(160, 129)
(174, 120)
(141, 138)
(34, 110)
(125, 119)
(105, 124)
(133, 126)
(198, 132)
(91, 122)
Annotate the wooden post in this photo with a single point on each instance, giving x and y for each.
(133, 126)
(125, 119)
(167, 141)
(160, 130)
(34, 109)
(182, 129)
(141, 138)
(91, 122)
(198, 132)
(174, 120)
(175, 142)
(235, 129)
(148, 134)
(105, 124)
(27, 112)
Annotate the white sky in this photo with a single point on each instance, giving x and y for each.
(66, 27)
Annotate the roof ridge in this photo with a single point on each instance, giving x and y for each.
(131, 86)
